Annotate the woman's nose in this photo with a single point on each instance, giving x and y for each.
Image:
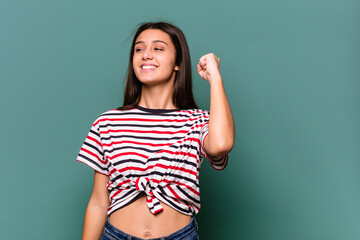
(147, 54)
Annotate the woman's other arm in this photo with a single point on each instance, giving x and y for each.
(96, 211)
(221, 135)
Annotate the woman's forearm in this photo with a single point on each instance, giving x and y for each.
(96, 211)
(220, 139)
(95, 218)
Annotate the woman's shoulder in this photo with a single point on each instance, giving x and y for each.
(115, 111)
(113, 114)
(197, 112)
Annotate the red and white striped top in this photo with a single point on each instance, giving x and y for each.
(155, 152)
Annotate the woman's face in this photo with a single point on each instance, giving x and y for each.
(154, 57)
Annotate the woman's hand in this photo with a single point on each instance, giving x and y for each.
(209, 67)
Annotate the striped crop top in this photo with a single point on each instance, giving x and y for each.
(156, 152)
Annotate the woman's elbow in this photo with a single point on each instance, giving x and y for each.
(221, 148)
(101, 205)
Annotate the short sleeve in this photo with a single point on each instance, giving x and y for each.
(92, 153)
(218, 163)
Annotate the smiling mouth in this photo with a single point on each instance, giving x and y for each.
(148, 67)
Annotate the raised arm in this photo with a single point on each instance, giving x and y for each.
(96, 211)
(221, 135)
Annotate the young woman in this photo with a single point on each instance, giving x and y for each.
(147, 153)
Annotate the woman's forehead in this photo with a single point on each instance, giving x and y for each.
(153, 35)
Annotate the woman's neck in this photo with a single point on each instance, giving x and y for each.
(157, 97)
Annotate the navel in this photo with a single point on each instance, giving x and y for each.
(147, 234)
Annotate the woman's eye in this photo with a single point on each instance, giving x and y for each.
(138, 49)
(158, 49)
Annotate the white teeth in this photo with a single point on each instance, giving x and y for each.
(148, 67)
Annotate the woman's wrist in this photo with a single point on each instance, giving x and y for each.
(215, 79)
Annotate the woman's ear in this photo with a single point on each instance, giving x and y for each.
(176, 68)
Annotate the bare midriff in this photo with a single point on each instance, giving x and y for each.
(137, 220)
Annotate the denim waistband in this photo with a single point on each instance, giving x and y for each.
(111, 232)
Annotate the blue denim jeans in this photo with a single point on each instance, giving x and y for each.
(189, 232)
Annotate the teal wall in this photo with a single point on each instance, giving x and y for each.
(292, 74)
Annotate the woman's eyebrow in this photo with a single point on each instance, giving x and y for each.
(138, 42)
(160, 41)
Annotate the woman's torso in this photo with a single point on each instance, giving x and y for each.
(152, 153)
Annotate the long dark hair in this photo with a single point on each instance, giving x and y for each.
(183, 97)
